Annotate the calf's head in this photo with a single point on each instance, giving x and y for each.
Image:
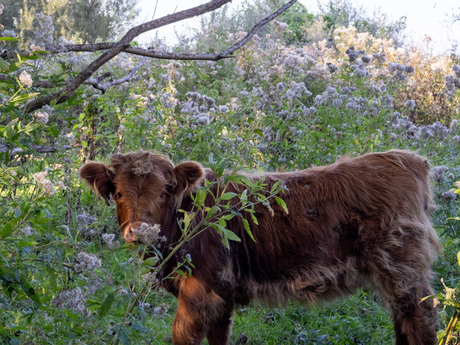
(144, 186)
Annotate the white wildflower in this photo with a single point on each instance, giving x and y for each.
(86, 262)
(26, 79)
(61, 185)
(168, 100)
(223, 109)
(454, 125)
(144, 305)
(41, 117)
(74, 300)
(148, 234)
(122, 292)
(380, 57)
(318, 100)
(150, 278)
(449, 195)
(27, 231)
(410, 104)
(161, 310)
(35, 48)
(86, 219)
(366, 58)
(9, 33)
(439, 173)
(109, 240)
(352, 53)
(203, 120)
(46, 184)
(331, 67)
(409, 69)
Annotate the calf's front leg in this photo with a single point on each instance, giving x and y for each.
(200, 313)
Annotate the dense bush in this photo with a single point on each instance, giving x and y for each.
(278, 105)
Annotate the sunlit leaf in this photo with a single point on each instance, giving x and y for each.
(105, 306)
(281, 202)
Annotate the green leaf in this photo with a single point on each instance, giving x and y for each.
(182, 273)
(212, 211)
(281, 202)
(22, 98)
(458, 259)
(84, 143)
(228, 216)
(105, 306)
(11, 39)
(254, 219)
(188, 217)
(4, 66)
(228, 196)
(275, 186)
(232, 236)
(259, 132)
(151, 261)
(139, 327)
(240, 179)
(9, 130)
(7, 228)
(30, 127)
(244, 197)
(200, 197)
(51, 275)
(29, 290)
(26, 243)
(124, 337)
(225, 234)
(220, 168)
(248, 229)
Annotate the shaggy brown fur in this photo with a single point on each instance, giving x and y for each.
(359, 222)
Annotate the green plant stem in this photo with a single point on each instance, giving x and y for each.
(452, 323)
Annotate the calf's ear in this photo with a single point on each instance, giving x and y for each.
(100, 179)
(187, 176)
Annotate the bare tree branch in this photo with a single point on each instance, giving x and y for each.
(4, 147)
(256, 27)
(96, 82)
(123, 45)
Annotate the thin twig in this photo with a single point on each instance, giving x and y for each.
(103, 87)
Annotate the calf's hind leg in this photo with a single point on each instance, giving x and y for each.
(415, 322)
(402, 286)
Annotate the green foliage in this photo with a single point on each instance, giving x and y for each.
(250, 112)
(69, 19)
(345, 13)
(359, 319)
(449, 297)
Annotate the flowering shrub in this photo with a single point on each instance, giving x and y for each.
(280, 104)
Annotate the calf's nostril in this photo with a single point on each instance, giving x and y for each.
(129, 234)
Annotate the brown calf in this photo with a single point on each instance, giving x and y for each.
(359, 222)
